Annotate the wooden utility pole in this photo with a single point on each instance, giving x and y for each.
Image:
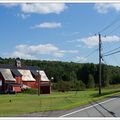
(100, 57)
(38, 76)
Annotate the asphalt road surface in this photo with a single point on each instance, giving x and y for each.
(109, 107)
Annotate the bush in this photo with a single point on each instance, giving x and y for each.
(91, 81)
(54, 86)
(30, 91)
(63, 86)
(79, 85)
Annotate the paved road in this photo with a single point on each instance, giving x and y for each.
(107, 108)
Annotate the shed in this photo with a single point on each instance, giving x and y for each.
(45, 86)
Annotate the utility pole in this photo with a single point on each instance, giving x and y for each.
(38, 78)
(100, 57)
(39, 85)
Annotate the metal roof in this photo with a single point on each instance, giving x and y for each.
(34, 72)
(43, 76)
(6, 73)
(26, 75)
(12, 66)
(16, 72)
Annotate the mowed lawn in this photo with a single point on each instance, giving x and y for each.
(14, 105)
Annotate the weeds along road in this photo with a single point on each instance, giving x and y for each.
(109, 107)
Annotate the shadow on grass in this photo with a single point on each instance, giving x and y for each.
(107, 94)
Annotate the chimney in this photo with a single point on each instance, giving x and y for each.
(18, 62)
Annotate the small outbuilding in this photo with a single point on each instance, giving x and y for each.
(45, 86)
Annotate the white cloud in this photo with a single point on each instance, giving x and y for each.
(48, 25)
(80, 59)
(93, 40)
(106, 7)
(33, 51)
(43, 8)
(39, 8)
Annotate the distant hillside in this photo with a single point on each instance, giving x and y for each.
(69, 71)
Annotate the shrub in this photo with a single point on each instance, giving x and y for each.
(63, 86)
(91, 81)
(30, 91)
(79, 85)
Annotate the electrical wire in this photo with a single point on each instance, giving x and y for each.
(91, 53)
(112, 50)
(114, 57)
(115, 29)
(108, 26)
(112, 53)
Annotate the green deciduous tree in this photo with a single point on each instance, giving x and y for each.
(91, 81)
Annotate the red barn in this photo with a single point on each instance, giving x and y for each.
(8, 82)
(17, 77)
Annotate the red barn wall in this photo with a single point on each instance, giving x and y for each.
(31, 84)
(17, 88)
(19, 80)
(45, 87)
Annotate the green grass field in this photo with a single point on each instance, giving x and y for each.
(13, 105)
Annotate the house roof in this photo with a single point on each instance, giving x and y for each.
(16, 72)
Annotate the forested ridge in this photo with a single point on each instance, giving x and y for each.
(70, 75)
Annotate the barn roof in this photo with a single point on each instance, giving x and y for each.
(7, 75)
(16, 72)
(34, 72)
(12, 66)
(26, 75)
(43, 76)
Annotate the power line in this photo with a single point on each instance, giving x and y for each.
(91, 53)
(114, 29)
(108, 26)
(114, 57)
(112, 50)
(112, 53)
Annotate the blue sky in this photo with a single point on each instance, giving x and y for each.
(59, 31)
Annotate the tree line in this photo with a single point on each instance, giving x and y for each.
(73, 76)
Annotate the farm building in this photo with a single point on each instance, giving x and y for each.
(18, 77)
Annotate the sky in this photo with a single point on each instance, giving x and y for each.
(60, 31)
